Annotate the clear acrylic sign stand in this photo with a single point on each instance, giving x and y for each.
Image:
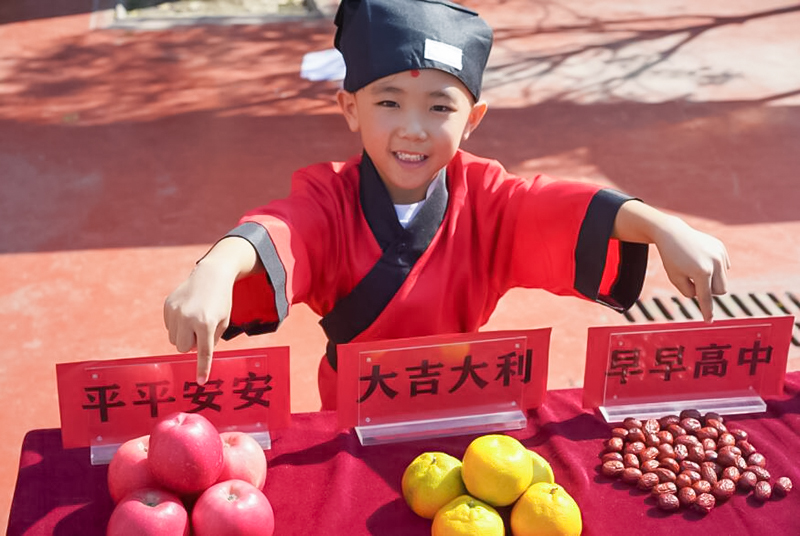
(495, 418)
(662, 372)
(101, 452)
(441, 390)
(732, 404)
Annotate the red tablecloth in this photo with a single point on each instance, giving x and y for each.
(322, 481)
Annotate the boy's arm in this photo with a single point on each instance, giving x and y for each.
(695, 262)
(198, 311)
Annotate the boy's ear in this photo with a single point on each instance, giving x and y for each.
(347, 103)
(479, 110)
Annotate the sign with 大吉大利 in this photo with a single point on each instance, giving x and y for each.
(441, 376)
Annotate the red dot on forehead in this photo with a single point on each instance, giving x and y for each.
(414, 73)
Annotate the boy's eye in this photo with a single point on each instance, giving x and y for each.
(441, 108)
(388, 104)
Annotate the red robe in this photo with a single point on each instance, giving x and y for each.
(498, 232)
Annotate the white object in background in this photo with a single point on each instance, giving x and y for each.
(323, 65)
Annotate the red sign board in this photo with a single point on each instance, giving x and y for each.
(686, 361)
(398, 379)
(109, 402)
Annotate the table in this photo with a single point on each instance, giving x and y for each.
(322, 481)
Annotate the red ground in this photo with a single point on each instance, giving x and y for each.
(125, 154)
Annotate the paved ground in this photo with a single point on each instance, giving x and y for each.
(124, 154)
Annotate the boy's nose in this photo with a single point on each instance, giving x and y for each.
(413, 128)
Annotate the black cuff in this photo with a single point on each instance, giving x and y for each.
(250, 328)
(259, 238)
(592, 249)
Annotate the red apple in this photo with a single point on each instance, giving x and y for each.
(243, 459)
(185, 454)
(128, 469)
(149, 512)
(233, 508)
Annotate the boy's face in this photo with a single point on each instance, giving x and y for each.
(411, 124)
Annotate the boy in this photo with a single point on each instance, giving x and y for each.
(415, 236)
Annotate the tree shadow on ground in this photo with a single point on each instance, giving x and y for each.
(630, 46)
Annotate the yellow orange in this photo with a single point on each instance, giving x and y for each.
(542, 472)
(546, 510)
(497, 469)
(467, 516)
(430, 481)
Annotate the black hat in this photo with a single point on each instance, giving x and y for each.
(382, 37)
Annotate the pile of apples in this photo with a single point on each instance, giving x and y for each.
(186, 477)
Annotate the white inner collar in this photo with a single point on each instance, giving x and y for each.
(406, 213)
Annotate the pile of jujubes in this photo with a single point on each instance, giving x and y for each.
(689, 460)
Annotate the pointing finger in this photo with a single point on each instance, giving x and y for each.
(704, 299)
(205, 350)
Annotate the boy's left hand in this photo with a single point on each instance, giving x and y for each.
(695, 262)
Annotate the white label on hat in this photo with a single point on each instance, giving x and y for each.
(443, 53)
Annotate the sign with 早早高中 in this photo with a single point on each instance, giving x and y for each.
(111, 401)
(401, 379)
(651, 363)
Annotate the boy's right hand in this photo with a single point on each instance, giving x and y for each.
(198, 312)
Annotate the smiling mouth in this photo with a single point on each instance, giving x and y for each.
(408, 157)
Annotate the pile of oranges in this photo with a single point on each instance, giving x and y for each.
(461, 497)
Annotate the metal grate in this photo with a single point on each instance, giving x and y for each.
(732, 305)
